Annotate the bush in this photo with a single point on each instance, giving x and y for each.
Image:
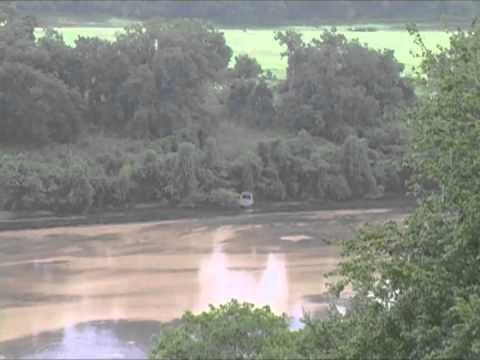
(271, 187)
(123, 185)
(225, 198)
(212, 156)
(72, 192)
(337, 188)
(246, 67)
(37, 107)
(151, 176)
(231, 331)
(185, 171)
(21, 181)
(337, 87)
(357, 167)
(193, 200)
(251, 102)
(245, 171)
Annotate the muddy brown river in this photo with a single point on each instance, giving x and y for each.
(102, 291)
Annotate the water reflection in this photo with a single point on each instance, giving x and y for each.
(94, 340)
(218, 284)
(89, 342)
(54, 279)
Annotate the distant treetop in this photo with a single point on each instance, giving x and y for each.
(262, 13)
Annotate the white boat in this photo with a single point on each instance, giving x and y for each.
(246, 199)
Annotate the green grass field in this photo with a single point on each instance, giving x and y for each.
(259, 43)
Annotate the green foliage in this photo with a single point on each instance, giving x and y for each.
(246, 67)
(357, 166)
(212, 156)
(62, 187)
(35, 107)
(336, 187)
(145, 84)
(185, 171)
(122, 185)
(464, 340)
(251, 101)
(246, 171)
(419, 281)
(263, 13)
(20, 182)
(224, 198)
(339, 87)
(161, 83)
(231, 331)
(69, 188)
(151, 175)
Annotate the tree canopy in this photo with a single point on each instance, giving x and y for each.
(231, 331)
(251, 12)
(336, 133)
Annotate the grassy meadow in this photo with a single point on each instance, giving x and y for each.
(260, 43)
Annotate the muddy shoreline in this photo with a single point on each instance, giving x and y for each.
(154, 212)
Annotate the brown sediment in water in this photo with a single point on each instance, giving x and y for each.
(55, 278)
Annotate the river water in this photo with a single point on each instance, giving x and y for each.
(103, 291)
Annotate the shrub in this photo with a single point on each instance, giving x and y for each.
(101, 190)
(231, 331)
(37, 107)
(357, 167)
(73, 192)
(251, 102)
(193, 200)
(20, 179)
(123, 185)
(245, 171)
(185, 171)
(212, 156)
(337, 188)
(225, 198)
(271, 187)
(246, 67)
(150, 174)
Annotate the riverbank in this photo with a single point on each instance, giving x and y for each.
(155, 212)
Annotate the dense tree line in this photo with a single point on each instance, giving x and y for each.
(416, 283)
(167, 85)
(238, 13)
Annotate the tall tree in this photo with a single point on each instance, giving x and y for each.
(418, 285)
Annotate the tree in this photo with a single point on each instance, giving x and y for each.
(185, 171)
(419, 283)
(246, 67)
(245, 171)
(20, 182)
(251, 103)
(170, 63)
(212, 155)
(336, 87)
(230, 331)
(16, 33)
(68, 188)
(36, 107)
(357, 167)
(261, 13)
